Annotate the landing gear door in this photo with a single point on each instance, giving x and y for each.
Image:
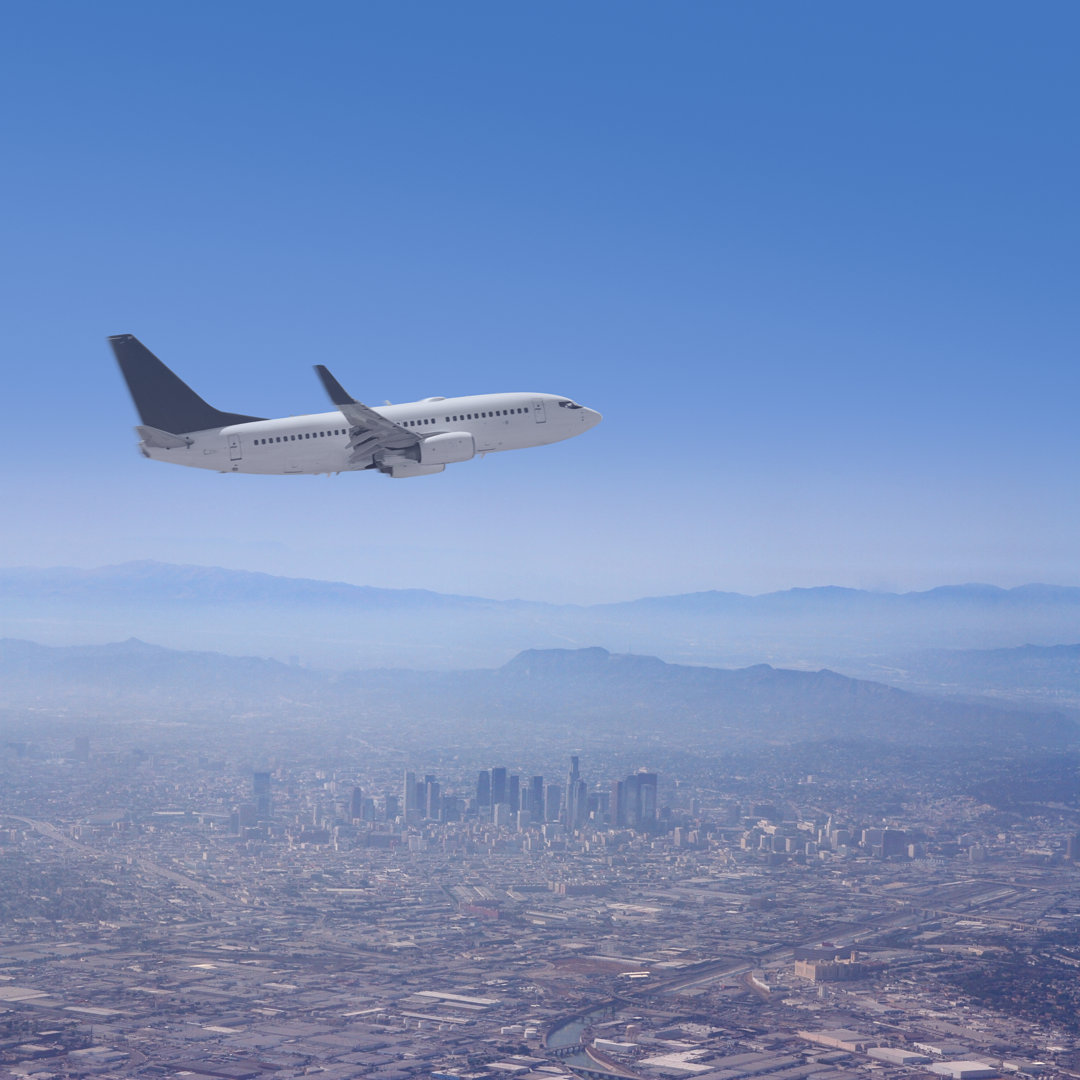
(234, 448)
(538, 412)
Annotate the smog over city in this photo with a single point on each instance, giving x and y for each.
(647, 645)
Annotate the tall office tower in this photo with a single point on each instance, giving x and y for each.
(647, 791)
(513, 796)
(536, 798)
(260, 790)
(408, 793)
(498, 786)
(1072, 848)
(356, 804)
(638, 794)
(552, 802)
(483, 789)
(631, 802)
(432, 803)
(577, 804)
(572, 778)
(617, 803)
(391, 805)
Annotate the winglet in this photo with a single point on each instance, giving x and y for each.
(333, 387)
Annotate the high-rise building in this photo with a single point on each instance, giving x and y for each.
(577, 803)
(536, 798)
(483, 789)
(356, 804)
(648, 783)
(573, 779)
(408, 793)
(617, 803)
(634, 800)
(432, 804)
(513, 795)
(498, 786)
(260, 791)
(552, 802)
(391, 804)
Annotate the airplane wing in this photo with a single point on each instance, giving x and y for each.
(370, 434)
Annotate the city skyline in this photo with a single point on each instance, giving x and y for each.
(824, 910)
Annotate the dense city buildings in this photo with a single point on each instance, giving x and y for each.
(341, 906)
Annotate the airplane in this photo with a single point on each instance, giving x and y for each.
(417, 438)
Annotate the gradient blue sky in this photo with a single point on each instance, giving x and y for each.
(815, 263)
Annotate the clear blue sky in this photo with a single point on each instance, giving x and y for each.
(817, 264)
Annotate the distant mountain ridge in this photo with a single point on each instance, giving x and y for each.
(182, 581)
(153, 580)
(831, 596)
(339, 625)
(592, 690)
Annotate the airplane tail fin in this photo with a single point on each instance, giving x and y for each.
(165, 401)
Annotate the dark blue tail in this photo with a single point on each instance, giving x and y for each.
(165, 401)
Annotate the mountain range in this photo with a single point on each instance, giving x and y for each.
(343, 626)
(595, 692)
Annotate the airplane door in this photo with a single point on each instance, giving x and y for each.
(234, 448)
(538, 412)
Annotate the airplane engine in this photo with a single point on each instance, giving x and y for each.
(448, 448)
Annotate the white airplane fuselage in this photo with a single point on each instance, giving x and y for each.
(319, 442)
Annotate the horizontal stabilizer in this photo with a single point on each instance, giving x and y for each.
(161, 440)
(164, 400)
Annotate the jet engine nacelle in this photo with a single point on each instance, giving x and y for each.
(448, 448)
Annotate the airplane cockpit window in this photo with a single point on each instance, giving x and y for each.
(569, 405)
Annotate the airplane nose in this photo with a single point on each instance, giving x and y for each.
(591, 417)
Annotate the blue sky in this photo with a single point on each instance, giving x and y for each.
(816, 264)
